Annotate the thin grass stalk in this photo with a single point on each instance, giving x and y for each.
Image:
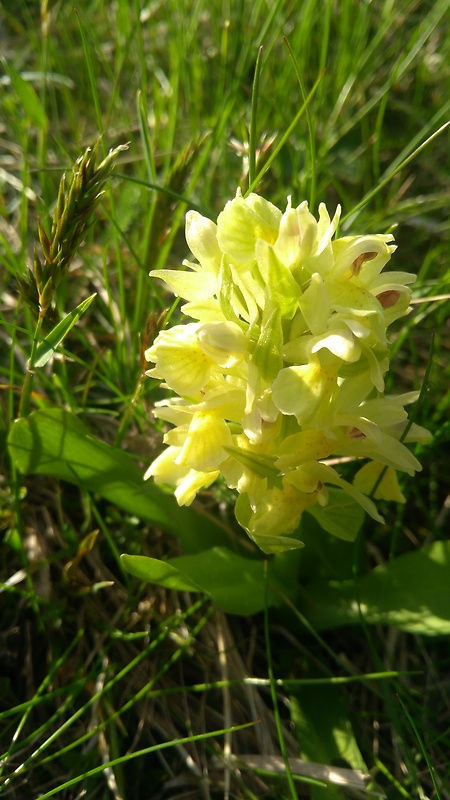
(175, 620)
(273, 693)
(145, 751)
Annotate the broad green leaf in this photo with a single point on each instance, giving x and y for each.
(152, 570)
(234, 583)
(325, 734)
(27, 97)
(275, 544)
(55, 442)
(48, 345)
(410, 592)
(325, 556)
(342, 516)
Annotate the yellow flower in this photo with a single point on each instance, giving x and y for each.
(281, 365)
(204, 443)
(187, 482)
(366, 479)
(307, 391)
(180, 360)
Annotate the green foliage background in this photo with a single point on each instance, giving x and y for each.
(348, 670)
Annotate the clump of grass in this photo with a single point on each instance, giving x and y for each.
(73, 217)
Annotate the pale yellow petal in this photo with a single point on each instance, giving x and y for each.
(193, 286)
(179, 359)
(203, 447)
(223, 342)
(201, 237)
(187, 489)
(388, 489)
